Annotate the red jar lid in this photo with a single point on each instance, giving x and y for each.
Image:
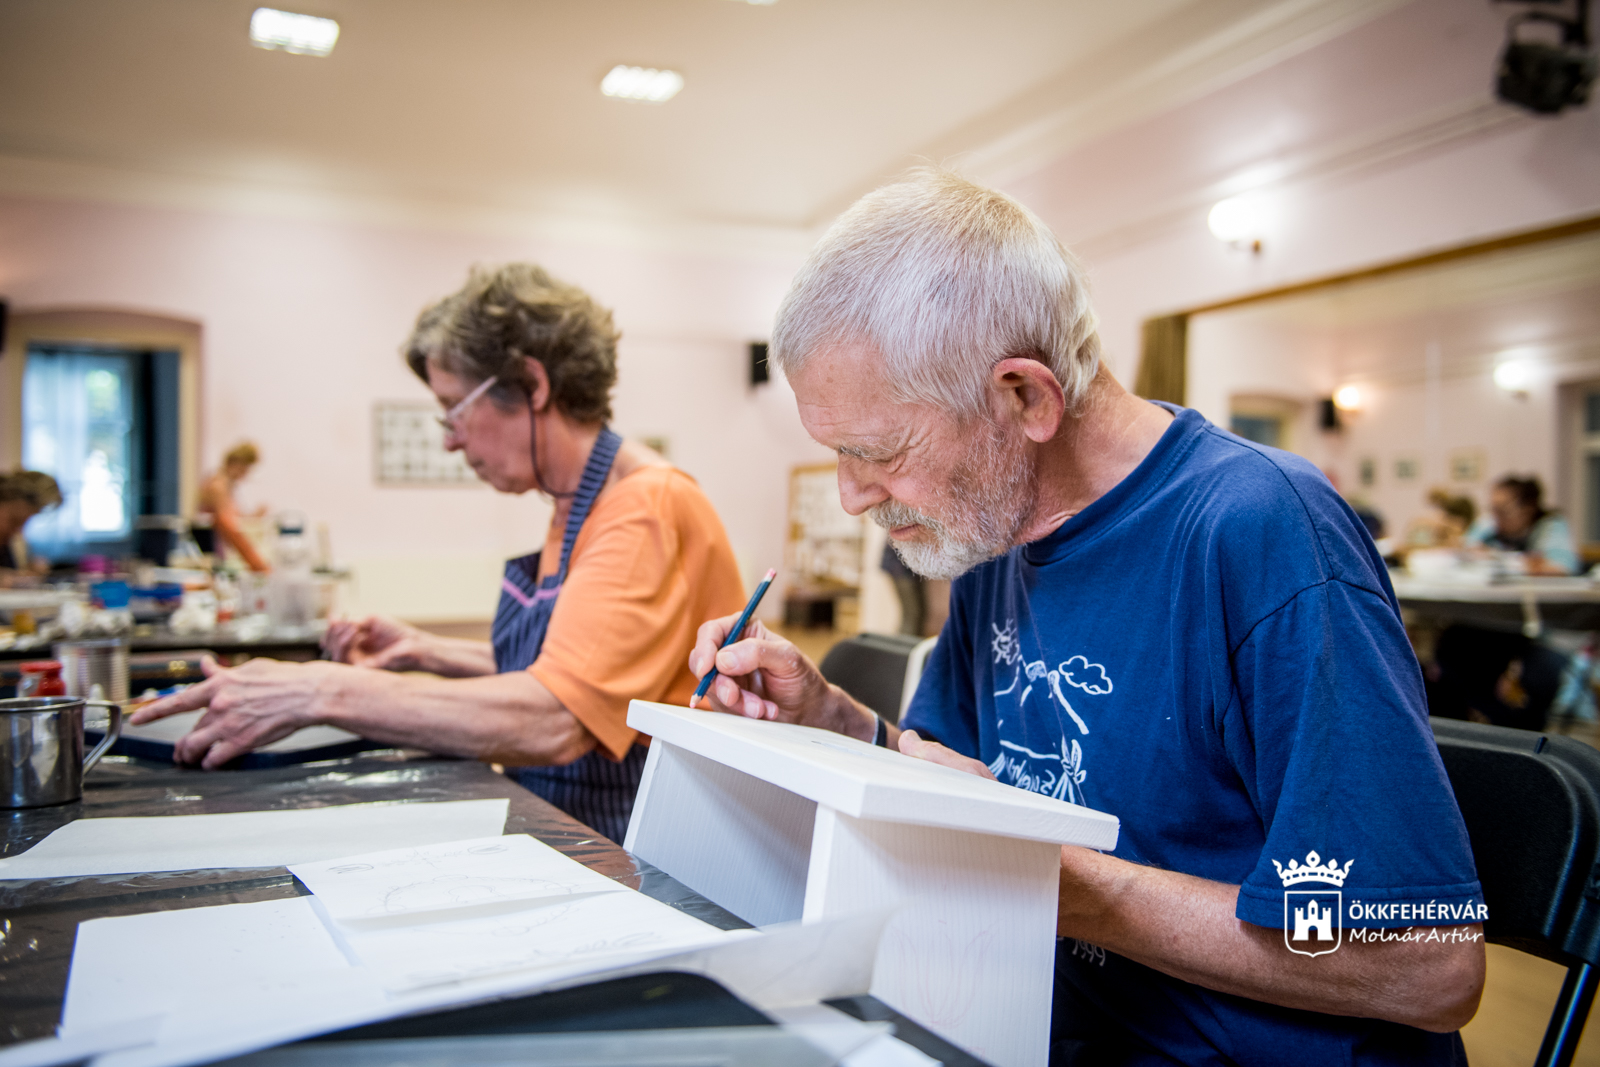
(39, 666)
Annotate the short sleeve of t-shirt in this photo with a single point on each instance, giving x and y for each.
(651, 563)
(1328, 721)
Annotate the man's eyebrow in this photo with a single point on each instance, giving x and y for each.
(867, 452)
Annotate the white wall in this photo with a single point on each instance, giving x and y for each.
(1374, 146)
(301, 323)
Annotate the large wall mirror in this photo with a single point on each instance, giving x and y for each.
(1449, 372)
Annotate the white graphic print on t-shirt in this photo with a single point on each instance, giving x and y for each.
(1057, 774)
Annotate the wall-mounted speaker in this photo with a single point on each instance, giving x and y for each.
(758, 363)
(1330, 414)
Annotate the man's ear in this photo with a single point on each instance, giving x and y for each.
(537, 381)
(1027, 391)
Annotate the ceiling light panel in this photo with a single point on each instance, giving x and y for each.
(641, 83)
(285, 31)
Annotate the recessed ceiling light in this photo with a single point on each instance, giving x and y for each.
(285, 31)
(642, 83)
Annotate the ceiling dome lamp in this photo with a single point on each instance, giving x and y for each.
(1239, 220)
(1513, 376)
(1348, 398)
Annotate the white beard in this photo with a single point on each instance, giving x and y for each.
(985, 504)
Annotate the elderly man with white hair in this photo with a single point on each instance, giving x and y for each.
(1150, 617)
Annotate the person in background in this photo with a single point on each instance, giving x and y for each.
(23, 494)
(1443, 525)
(216, 501)
(634, 557)
(1518, 521)
(1497, 676)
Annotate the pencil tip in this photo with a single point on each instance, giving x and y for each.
(691, 702)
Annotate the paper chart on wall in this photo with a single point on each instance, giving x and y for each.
(250, 838)
(479, 873)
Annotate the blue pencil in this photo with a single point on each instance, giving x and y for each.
(734, 634)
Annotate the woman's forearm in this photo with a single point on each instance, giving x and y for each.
(504, 718)
(458, 657)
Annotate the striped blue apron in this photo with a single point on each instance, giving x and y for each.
(592, 789)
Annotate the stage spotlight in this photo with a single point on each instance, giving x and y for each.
(1547, 76)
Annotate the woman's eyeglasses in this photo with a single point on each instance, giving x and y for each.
(449, 418)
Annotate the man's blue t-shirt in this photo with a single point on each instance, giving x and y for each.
(1213, 653)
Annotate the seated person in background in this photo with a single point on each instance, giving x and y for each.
(23, 494)
(1150, 617)
(1498, 676)
(634, 556)
(1519, 522)
(1444, 524)
(216, 501)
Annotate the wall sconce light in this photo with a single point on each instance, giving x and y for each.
(1238, 220)
(1513, 377)
(1347, 398)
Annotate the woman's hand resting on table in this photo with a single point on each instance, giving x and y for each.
(247, 707)
(376, 641)
(764, 676)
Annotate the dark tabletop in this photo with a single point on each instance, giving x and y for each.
(39, 918)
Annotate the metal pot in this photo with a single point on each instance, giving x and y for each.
(101, 662)
(41, 749)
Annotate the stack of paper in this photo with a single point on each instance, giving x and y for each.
(384, 933)
(249, 838)
(449, 913)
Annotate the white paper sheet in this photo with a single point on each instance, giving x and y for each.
(414, 952)
(770, 968)
(79, 1046)
(175, 728)
(486, 871)
(250, 839)
(791, 964)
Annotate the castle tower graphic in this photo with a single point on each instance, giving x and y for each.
(1316, 910)
(1311, 917)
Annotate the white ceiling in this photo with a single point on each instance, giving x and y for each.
(789, 111)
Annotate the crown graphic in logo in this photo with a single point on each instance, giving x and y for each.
(1313, 871)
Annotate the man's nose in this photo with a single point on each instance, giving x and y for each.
(857, 491)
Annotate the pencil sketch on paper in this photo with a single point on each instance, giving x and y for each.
(543, 934)
(468, 909)
(461, 874)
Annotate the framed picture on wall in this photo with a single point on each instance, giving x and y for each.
(1406, 468)
(408, 447)
(1467, 465)
(1367, 472)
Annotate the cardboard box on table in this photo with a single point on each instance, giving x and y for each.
(777, 823)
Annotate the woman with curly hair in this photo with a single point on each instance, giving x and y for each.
(23, 494)
(605, 613)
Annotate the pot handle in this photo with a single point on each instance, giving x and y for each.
(113, 731)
